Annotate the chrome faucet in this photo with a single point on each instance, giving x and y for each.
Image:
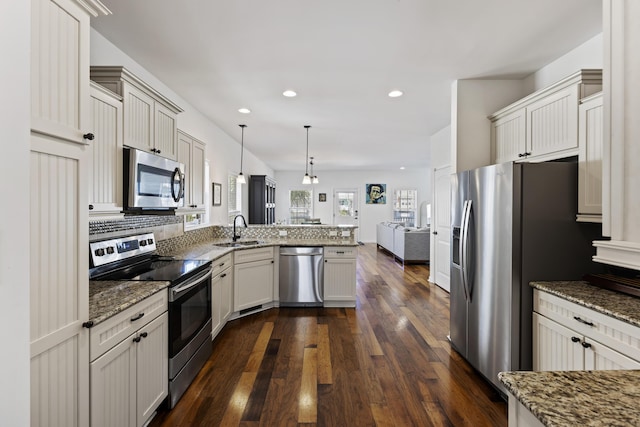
(237, 236)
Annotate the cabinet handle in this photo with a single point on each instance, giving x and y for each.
(139, 316)
(221, 264)
(88, 324)
(583, 321)
(90, 207)
(527, 153)
(144, 334)
(158, 151)
(575, 339)
(522, 154)
(435, 233)
(326, 260)
(137, 339)
(88, 136)
(272, 261)
(586, 345)
(223, 275)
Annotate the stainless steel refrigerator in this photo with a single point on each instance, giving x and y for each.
(511, 224)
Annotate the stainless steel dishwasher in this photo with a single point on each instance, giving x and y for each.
(301, 277)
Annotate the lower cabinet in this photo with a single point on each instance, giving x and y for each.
(340, 276)
(567, 336)
(253, 277)
(221, 296)
(130, 379)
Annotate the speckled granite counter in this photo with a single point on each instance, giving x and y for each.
(107, 298)
(575, 398)
(614, 304)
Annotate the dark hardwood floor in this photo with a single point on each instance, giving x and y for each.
(386, 363)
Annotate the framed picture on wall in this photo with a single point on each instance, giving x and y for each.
(322, 197)
(376, 194)
(217, 194)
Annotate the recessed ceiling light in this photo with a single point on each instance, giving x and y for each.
(289, 93)
(401, 167)
(395, 93)
(244, 110)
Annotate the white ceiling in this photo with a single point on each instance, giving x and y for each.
(342, 57)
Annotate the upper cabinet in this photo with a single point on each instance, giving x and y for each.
(590, 137)
(262, 200)
(620, 195)
(191, 153)
(60, 67)
(544, 125)
(150, 119)
(105, 178)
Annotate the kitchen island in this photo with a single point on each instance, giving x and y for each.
(604, 337)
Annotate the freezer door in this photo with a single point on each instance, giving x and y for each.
(458, 300)
(490, 293)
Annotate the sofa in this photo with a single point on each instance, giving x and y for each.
(407, 244)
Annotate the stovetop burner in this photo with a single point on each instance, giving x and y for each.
(134, 258)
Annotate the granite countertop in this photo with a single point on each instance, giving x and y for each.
(107, 298)
(574, 398)
(620, 306)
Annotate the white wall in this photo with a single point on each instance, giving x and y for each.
(369, 215)
(223, 151)
(587, 55)
(15, 22)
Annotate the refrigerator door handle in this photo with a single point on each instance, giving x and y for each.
(464, 248)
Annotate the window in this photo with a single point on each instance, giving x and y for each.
(234, 197)
(405, 204)
(300, 206)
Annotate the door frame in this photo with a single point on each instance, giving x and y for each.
(356, 200)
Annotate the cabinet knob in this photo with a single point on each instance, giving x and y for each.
(158, 151)
(575, 339)
(90, 207)
(89, 136)
(88, 324)
(137, 339)
(144, 334)
(435, 233)
(586, 345)
(522, 154)
(223, 275)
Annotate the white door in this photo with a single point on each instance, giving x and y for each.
(345, 208)
(441, 226)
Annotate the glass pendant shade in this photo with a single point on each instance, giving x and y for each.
(315, 180)
(306, 179)
(241, 179)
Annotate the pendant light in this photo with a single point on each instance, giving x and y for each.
(241, 179)
(307, 179)
(314, 178)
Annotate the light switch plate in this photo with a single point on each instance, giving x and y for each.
(333, 233)
(282, 233)
(346, 233)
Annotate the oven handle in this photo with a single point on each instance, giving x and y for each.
(178, 291)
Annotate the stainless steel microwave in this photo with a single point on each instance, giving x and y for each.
(152, 182)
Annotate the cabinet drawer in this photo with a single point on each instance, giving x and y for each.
(340, 251)
(620, 336)
(249, 255)
(109, 333)
(221, 264)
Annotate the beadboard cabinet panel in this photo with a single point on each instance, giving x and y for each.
(509, 136)
(591, 139)
(138, 120)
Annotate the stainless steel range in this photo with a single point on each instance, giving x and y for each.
(135, 258)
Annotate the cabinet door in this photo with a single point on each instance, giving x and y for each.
(165, 131)
(197, 173)
(508, 136)
(152, 367)
(138, 118)
(184, 157)
(552, 125)
(113, 386)
(226, 294)
(216, 304)
(339, 280)
(600, 357)
(555, 348)
(253, 284)
(105, 180)
(59, 69)
(58, 281)
(590, 138)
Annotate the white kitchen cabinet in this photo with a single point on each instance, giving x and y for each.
(129, 377)
(590, 138)
(340, 276)
(58, 227)
(253, 277)
(620, 197)
(150, 119)
(191, 153)
(567, 336)
(221, 293)
(544, 125)
(105, 152)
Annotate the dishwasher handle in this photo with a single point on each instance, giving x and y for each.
(301, 251)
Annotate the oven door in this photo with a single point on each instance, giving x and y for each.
(153, 182)
(189, 319)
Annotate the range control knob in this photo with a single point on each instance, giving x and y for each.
(110, 250)
(99, 252)
(143, 243)
(150, 241)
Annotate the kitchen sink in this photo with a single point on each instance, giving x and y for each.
(238, 244)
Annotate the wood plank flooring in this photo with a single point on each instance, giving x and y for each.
(385, 363)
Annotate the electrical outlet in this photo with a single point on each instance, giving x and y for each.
(346, 234)
(282, 233)
(333, 233)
